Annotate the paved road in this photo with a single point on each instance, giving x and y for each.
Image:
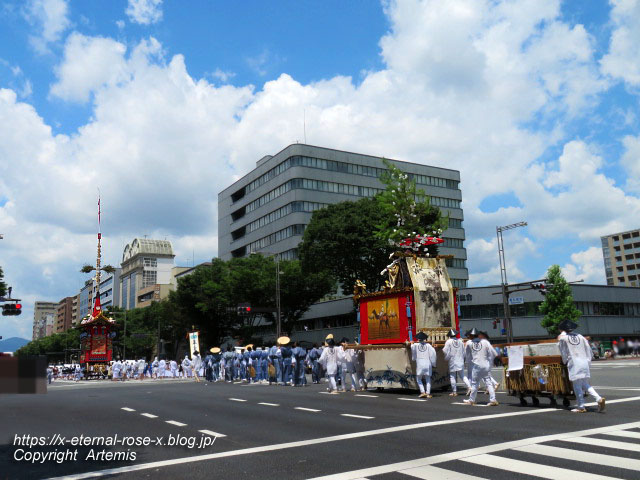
(297, 433)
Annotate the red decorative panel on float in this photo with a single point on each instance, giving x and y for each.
(386, 318)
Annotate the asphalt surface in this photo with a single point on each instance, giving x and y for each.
(297, 433)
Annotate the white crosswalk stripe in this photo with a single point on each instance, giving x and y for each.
(549, 461)
(540, 470)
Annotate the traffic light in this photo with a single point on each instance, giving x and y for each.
(243, 310)
(9, 309)
(541, 287)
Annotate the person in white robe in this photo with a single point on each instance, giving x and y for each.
(154, 368)
(174, 369)
(577, 354)
(117, 370)
(482, 355)
(196, 365)
(140, 368)
(329, 359)
(162, 368)
(471, 334)
(348, 366)
(425, 357)
(186, 367)
(454, 355)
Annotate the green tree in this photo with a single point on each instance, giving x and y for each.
(341, 240)
(58, 346)
(558, 303)
(3, 286)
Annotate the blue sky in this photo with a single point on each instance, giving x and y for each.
(161, 104)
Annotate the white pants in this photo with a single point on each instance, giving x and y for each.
(332, 382)
(580, 387)
(478, 374)
(453, 379)
(426, 386)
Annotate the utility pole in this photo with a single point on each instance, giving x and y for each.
(279, 325)
(503, 277)
(124, 338)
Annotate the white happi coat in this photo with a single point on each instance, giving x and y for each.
(577, 354)
(349, 359)
(330, 358)
(174, 367)
(117, 368)
(482, 355)
(162, 368)
(425, 357)
(196, 363)
(454, 354)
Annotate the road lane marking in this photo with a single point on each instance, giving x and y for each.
(364, 395)
(213, 434)
(626, 434)
(128, 409)
(598, 442)
(429, 472)
(356, 416)
(413, 399)
(307, 409)
(475, 405)
(402, 467)
(367, 433)
(149, 415)
(237, 400)
(580, 456)
(269, 404)
(527, 468)
(177, 424)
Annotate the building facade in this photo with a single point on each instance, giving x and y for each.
(145, 263)
(268, 209)
(621, 252)
(607, 312)
(85, 297)
(109, 289)
(64, 316)
(44, 319)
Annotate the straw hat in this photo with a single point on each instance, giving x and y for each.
(329, 336)
(215, 350)
(284, 340)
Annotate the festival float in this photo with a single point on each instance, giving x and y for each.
(418, 296)
(98, 330)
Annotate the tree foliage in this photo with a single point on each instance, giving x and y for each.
(558, 303)
(3, 286)
(352, 240)
(59, 346)
(341, 239)
(406, 211)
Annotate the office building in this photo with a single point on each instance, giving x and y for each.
(85, 297)
(109, 288)
(64, 318)
(44, 319)
(267, 209)
(148, 272)
(621, 252)
(607, 312)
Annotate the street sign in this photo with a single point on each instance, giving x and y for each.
(516, 301)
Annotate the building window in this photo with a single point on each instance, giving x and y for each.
(149, 277)
(150, 262)
(456, 263)
(283, 211)
(132, 291)
(290, 231)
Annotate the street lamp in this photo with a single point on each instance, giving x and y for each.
(503, 277)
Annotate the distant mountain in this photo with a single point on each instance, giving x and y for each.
(12, 344)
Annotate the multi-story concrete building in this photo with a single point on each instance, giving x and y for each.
(621, 252)
(85, 298)
(608, 312)
(44, 316)
(267, 209)
(74, 309)
(64, 317)
(109, 289)
(146, 263)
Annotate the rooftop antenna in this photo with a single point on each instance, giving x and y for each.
(304, 124)
(193, 257)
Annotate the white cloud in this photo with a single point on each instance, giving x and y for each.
(222, 75)
(50, 17)
(144, 12)
(587, 265)
(623, 59)
(631, 161)
(89, 64)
